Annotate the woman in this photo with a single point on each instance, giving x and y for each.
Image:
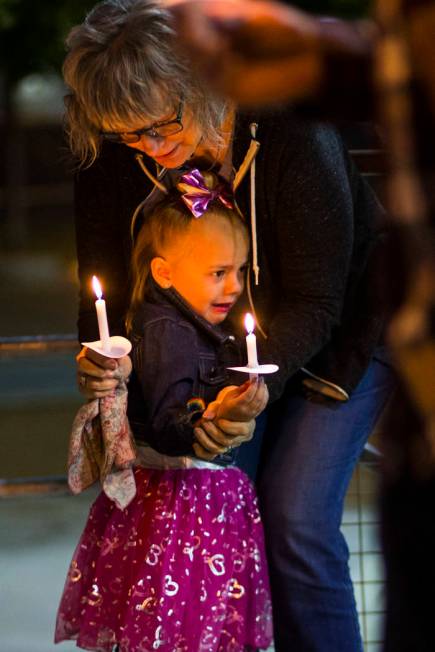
(316, 237)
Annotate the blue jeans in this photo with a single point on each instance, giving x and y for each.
(247, 456)
(302, 487)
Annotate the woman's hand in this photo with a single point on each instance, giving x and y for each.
(239, 403)
(98, 375)
(212, 440)
(230, 420)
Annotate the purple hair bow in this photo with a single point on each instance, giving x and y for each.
(197, 196)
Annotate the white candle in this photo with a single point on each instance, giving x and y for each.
(100, 306)
(251, 341)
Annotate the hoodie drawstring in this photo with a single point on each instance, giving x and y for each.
(248, 163)
(151, 177)
(157, 184)
(255, 268)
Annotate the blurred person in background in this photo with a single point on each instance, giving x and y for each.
(263, 53)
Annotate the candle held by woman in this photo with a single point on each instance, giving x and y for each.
(251, 341)
(100, 306)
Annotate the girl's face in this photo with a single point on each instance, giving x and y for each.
(207, 266)
(168, 151)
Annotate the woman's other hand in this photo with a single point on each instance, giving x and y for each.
(98, 375)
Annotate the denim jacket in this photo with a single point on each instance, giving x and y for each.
(177, 356)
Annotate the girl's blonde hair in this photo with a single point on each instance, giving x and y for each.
(169, 219)
(122, 64)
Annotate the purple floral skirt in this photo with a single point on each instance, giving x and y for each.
(181, 569)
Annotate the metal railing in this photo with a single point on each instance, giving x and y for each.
(39, 486)
(38, 343)
(370, 162)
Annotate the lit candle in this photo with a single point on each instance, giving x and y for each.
(100, 306)
(251, 341)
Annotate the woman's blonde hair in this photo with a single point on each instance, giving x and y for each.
(122, 64)
(169, 220)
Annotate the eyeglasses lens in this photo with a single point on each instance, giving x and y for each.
(159, 131)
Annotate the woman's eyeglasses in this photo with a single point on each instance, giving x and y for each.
(158, 130)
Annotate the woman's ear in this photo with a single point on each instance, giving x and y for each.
(161, 272)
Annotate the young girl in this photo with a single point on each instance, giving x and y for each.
(182, 568)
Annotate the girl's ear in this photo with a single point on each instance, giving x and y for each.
(161, 272)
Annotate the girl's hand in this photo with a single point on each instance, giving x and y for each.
(96, 373)
(239, 403)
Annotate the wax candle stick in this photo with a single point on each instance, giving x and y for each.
(251, 341)
(100, 306)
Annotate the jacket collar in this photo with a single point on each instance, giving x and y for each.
(172, 297)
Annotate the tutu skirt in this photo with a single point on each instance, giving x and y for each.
(181, 569)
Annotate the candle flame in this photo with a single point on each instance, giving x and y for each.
(249, 322)
(97, 287)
